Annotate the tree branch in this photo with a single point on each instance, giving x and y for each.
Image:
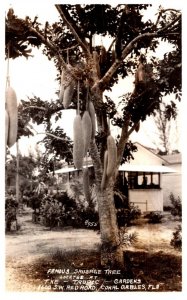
(55, 50)
(74, 29)
(49, 45)
(102, 83)
(52, 135)
(49, 134)
(169, 25)
(112, 43)
(32, 106)
(163, 11)
(118, 46)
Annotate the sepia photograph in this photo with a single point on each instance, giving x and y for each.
(93, 148)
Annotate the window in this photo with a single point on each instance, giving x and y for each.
(144, 180)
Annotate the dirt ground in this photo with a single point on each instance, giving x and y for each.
(33, 243)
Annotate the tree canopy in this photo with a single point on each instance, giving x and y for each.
(72, 39)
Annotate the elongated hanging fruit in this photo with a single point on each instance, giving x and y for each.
(12, 110)
(137, 127)
(78, 146)
(103, 55)
(112, 156)
(104, 177)
(62, 83)
(6, 127)
(140, 74)
(91, 111)
(86, 185)
(87, 131)
(68, 94)
(67, 87)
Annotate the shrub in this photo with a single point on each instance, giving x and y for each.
(176, 209)
(135, 212)
(154, 217)
(10, 212)
(125, 216)
(128, 239)
(176, 241)
(167, 208)
(59, 210)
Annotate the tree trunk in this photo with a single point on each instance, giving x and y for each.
(17, 172)
(111, 249)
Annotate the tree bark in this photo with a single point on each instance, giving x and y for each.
(111, 249)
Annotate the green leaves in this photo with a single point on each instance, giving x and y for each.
(18, 37)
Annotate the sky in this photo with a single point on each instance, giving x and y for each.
(36, 76)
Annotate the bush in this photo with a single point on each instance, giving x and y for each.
(125, 216)
(176, 241)
(59, 210)
(176, 209)
(154, 217)
(167, 208)
(10, 213)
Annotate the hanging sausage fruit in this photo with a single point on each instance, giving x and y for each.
(6, 127)
(91, 111)
(78, 146)
(140, 76)
(87, 131)
(66, 87)
(12, 118)
(110, 160)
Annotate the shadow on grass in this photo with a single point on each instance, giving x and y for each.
(81, 271)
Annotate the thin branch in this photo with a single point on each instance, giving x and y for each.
(110, 47)
(56, 52)
(69, 48)
(49, 134)
(52, 135)
(50, 45)
(32, 106)
(132, 128)
(74, 29)
(118, 47)
(169, 25)
(158, 18)
(171, 9)
(163, 11)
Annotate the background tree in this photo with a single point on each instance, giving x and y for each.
(164, 128)
(134, 41)
(27, 167)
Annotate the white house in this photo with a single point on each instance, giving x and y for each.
(144, 175)
(172, 182)
(141, 179)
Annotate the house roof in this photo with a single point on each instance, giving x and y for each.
(165, 161)
(146, 168)
(173, 158)
(69, 169)
(127, 168)
(132, 167)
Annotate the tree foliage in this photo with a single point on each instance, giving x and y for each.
(130, 35)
